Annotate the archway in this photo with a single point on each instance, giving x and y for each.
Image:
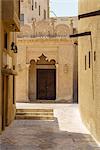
(42, 79)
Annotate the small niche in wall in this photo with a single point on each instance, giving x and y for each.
(35, 4)
(32, 4)
(39, 10)
(85, 63)
(89, 59)
(32, 7)
(94, 55)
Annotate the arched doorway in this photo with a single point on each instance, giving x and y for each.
(42, 79)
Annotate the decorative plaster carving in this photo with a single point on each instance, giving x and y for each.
(43, 60)
(44, 28)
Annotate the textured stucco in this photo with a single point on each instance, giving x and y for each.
(32, 15)
(89, 79)
(59, 50)
(7, 63)
(50, 37)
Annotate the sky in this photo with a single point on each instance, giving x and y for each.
(61, 8)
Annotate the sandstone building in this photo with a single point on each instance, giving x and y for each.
(89, 64)
(47, 59)
(34, 10)
(46, 56)
(9, 23)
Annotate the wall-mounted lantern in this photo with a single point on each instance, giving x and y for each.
(14, 47)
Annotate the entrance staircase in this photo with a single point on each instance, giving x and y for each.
(34, 114)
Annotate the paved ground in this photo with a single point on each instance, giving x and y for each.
(66, 132)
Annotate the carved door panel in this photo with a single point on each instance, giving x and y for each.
(46, 84)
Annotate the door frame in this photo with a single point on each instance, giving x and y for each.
(5, 82)
(37, 83)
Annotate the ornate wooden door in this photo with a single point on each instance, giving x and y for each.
(46, 84)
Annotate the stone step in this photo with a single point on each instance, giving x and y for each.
(35, 114)
(33, 118)
(34, 110)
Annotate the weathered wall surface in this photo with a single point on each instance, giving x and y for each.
(48, 36)
(9, 22)
(60, 50)
(29, 14)
(21, 78)
(6, 80)
(65, 71)
(86, 6)
(61, 26)
(89, 77)
(6, 87)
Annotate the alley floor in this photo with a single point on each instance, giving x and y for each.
(65, 132)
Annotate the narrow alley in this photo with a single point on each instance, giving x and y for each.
(49, 75)
(65, 132)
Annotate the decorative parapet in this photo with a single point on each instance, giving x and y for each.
(46, 29)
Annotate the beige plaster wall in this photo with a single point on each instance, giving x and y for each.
(21, 78)
(6, 58)
(87, 6)
(65, 71)
(61, 50)
(89, 79)
(26, 9)
(7, 61)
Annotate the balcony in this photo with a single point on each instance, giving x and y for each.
(11, 14)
